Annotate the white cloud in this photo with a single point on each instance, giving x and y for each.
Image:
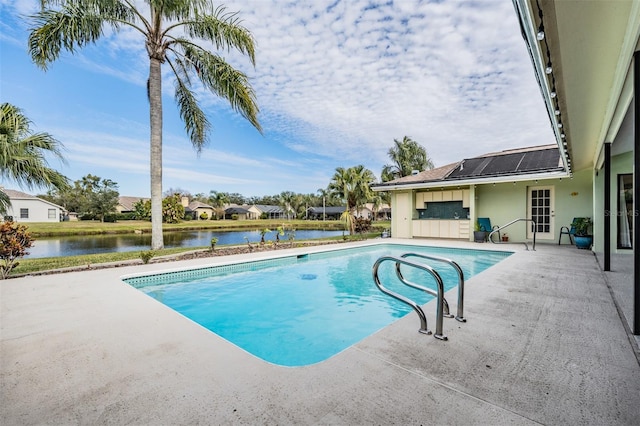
(337, 81)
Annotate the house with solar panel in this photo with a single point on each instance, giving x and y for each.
(527, 185)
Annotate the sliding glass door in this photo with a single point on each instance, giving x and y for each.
(625, 211)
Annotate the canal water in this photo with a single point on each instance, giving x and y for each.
(90, 244)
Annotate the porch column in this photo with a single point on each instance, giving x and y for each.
(636, 193)
(607, 206)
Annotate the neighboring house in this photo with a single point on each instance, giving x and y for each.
(504, 186)
(243, 213)
(328, 212)
(383, 212)
(29, 208)
(195, 209)
(272, 212)
(126, 204)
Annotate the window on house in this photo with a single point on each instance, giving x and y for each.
(625, 211)
(24, 213)
(52, 213)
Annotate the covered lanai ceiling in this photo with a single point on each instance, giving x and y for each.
(589, 45)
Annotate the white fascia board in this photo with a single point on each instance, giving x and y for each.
(530, 32)
(478, 181)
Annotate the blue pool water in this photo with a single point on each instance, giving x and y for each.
(301, 310)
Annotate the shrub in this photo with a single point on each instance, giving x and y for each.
(14, 242)
(362, 225)
(214, 241)
(146, 256)
(235, 216)
(111, 218)
(204, 216)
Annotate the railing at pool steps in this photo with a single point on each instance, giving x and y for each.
(500, 228)
(439, 294)
(460, 311)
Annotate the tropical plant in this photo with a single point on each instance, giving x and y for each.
(172, 209)
(279, 233)
(146, 256)
(287, 200)
(406, 156)
(352, 185)
(22, 154)
(583, 226)
(349, 221)
(263, 232)
(142, 210)
(14, 242)
(171, 31)
(218, 200)
(376, 201)
(214, 241)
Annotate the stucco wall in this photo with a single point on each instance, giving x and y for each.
(504, 202)
(38, 210)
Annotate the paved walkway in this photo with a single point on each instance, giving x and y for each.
(544, 344)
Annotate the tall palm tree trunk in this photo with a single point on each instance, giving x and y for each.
(155, 108)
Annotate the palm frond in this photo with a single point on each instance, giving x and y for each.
(22, 154)
(222, 79)
(196, 123)
(76, 24)
(223, 29)
(5, 202)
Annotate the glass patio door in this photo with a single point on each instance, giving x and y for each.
(541, 210)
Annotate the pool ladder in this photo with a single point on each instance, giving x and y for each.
(442, 306)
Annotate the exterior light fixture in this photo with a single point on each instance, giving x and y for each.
(559, 125)
(562, 135)
(548, 70)
(553, 94)
(557, 112)
(540, 35)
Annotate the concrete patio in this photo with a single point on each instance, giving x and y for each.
(544, 344)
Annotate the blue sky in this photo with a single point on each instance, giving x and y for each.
(336, 82)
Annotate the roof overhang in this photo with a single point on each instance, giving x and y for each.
(590, 46)
(476, 181)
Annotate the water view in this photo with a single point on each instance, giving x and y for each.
(90, 244)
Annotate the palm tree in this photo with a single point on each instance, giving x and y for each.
(218, 200)
(352, 185)
(22, 154)
(324, 194)
(377, 201)
(170, 31)
(407, 155)
(287, 200)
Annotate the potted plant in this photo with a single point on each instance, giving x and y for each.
(583, 236)
(505, 237)
(479, 235)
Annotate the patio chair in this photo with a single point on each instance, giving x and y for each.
(485, 225)
(568, 230)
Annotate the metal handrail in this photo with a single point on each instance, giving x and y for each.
(535, 229)
(439, 297)
(460, 315)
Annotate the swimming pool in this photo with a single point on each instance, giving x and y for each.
(302, 309)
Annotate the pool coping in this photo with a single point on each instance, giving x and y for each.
(85, 347)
